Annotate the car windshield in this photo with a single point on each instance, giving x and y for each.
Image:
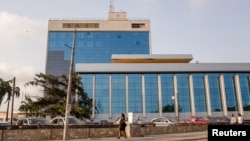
(74, 121)
(38, 121)
(172, 119)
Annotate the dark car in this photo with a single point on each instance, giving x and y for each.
(223, 120)
(5, 125)
(104, 122)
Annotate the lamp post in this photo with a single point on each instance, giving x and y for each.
(68, 105)
(176, 107)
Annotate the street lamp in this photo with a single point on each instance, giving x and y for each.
(68, 105)
(176, 107)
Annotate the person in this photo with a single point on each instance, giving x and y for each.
(239, 119)
(122, 126)
(233, 120)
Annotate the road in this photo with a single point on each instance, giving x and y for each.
(189, 136)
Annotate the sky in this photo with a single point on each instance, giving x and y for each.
(213, 31)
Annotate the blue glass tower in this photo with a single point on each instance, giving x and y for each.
(96, 40)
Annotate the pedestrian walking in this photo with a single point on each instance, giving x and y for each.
(122, 126)
(233, 120)
(239, 119)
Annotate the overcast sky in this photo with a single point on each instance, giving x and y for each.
(212, 31)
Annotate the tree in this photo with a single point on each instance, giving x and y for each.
(30, 107)
(5, 88)
(170, 108)
(55, 91)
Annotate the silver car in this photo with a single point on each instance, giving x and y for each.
(71, 121)
(163, 121)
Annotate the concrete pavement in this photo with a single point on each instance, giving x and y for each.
(189, 136)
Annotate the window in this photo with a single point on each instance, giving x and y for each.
(138, 25)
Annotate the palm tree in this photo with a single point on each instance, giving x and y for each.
(5, 88)
(29, 107)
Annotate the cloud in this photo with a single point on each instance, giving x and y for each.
(18, 32)
(23, 50)
(195, 5)
(22, 76)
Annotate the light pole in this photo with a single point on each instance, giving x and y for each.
(176, 107)
(68, 105)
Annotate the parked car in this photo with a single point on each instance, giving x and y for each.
(140, 120)
(71, 121)
(32, 121)
(224, 120)
(204, 118)
(163, 121)
(198, 120)
(103, 122)
(5, 125)
(172, 119)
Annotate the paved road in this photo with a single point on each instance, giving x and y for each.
(190, 136)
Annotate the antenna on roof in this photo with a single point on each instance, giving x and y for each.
(111, 6)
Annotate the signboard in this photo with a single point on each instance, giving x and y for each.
(130, 117)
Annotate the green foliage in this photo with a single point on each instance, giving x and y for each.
(5, 88)
(55, 93)
(246, 107)
(30, 107)
(170, 108)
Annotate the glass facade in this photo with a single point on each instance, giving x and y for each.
(114, 88)
(92, 47)
(135, 92)
(142, 92)
(215, 95)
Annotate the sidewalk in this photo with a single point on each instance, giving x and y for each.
(190, 136)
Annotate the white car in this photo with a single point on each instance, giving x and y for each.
(32, 121)
(71, 121)
(163, 121)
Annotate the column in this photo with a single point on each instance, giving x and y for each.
(207, 94)
(223, 95)
(110, 96)
(93, 97)
(143, 97)
(191, 93)
(126, 93)
(176, 104)
(159, 95)
(238, 94)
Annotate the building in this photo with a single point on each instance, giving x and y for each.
(96, 40)
(113, 58)
(16, 115)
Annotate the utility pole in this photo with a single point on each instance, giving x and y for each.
(68, 105)
(15, 90)
(13, 95)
